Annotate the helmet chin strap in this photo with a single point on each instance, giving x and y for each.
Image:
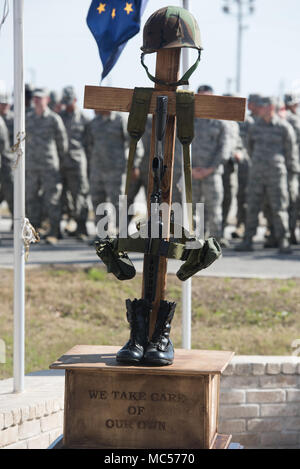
(184, 79)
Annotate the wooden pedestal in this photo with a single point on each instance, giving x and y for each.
(114, 406)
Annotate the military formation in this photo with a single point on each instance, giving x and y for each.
(74, 163)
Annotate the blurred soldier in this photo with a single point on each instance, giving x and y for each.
(271, 241)
(254, 107)
(6, 174)
(4, 147)
(55, 103)
(229, 176)
(108, 149)
(273, 151)
(74, 163)
(210, 149)
(28, 97)
(292, 101)
(46, 146)
(280, 108)
(4, 140)
(8, 116)
(205, 89)
(244, 165)
(141, 179)
(293, 186)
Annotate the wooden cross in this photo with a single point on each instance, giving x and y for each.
(206, 107)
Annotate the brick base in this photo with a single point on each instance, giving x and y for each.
(259, 406)
(260, 401)
(32, 433)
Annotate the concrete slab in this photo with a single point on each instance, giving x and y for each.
(40, 387)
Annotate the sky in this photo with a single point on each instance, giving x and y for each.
(59, 49)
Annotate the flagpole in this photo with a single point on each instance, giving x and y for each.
(187, 285)
(19, 201)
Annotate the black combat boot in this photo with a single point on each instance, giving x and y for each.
(81, 231)
(284, 246)
(293, 237)
(245, 245)
(160, 349)
(138, 318)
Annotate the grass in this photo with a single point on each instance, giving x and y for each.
(65, 307)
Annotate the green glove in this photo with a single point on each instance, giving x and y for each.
(199, 259)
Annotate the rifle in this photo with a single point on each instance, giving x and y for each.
(155, 225)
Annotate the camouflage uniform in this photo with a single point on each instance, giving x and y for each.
(243, 173)
(273, 151)
(46, 145)
(108, 148)
(6, 175)
(9, 121)
(55, 101)
(230, 170)
(293, 179)
(4, 140)
(74, 165)
(4, 146)
(142, 181)
(210, 148)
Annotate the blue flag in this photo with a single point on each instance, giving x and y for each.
(113, 23)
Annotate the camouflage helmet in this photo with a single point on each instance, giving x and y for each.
(168, 28)
(171, 27)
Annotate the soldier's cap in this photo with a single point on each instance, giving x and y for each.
(4, 98)
(205, 88)
(254, 98)
(68, 95)
(55, 97)
(291, 98)
(40, 93)
(267, 101)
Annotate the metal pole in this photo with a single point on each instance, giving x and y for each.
(19, 201)
(187, 285)
(239, 46)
